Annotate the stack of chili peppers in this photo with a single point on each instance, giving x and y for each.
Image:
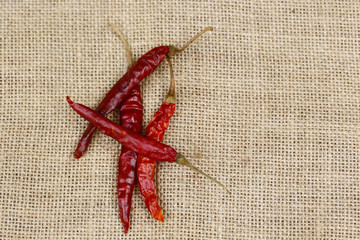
(139, 153)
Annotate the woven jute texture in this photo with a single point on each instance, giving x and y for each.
(268, 103)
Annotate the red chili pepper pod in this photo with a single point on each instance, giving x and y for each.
(135, 142)
(118, 93)
(131, 119)
(128, 139)
(146, 166)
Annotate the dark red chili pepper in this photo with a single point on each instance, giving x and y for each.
(118, 93)
(128, 139)
(130, 119)
(135, 142)
(141, 69)
(145, 166)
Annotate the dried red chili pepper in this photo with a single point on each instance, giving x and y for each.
(118, 93)
(145, 166)
(128, 139)
(130, 119)
(135, 142)
(141, 69)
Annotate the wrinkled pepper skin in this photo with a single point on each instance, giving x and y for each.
(135, 142)
(146, 166)
(119, 92)
(131, 113)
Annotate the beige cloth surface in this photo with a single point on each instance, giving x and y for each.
(268, 103)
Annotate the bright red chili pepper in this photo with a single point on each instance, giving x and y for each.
(131, 119)
(141, 69)
(146, 166)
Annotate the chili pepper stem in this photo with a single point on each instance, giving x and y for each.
(180, 159)
(170, 97)
(174, 50)
(130, 59)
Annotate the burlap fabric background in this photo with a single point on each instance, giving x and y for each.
(268, 103)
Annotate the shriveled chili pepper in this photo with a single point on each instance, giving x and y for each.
(118, 93)
(128, 139)
(145, 166)
(131, 119)
(141, 69)
(135, 142)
